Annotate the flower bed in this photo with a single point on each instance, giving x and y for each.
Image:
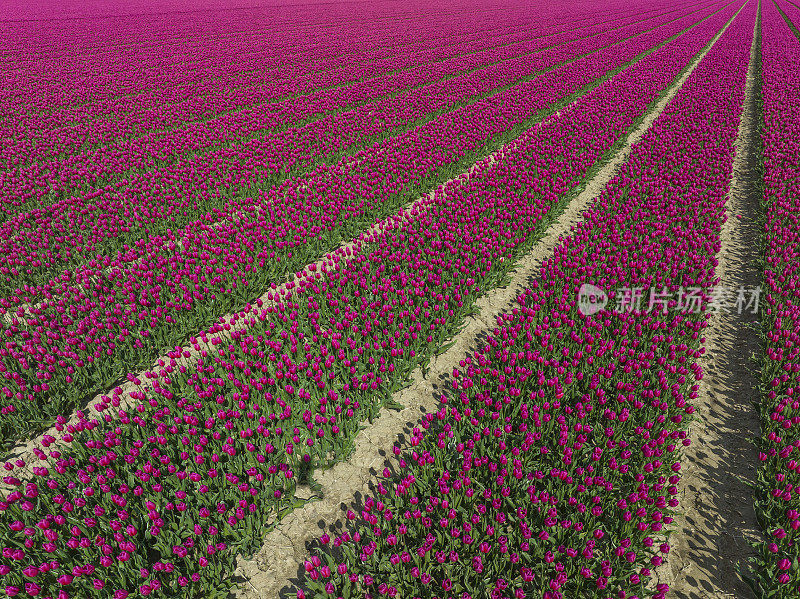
(227, 78)
(160, 499)
(777, 573)
(125, 102)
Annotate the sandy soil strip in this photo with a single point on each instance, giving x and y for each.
(718, 517)
(266, 575)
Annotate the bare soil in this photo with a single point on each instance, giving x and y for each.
(718, 520)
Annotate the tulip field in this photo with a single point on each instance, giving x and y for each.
(261, 220)
(264, 215)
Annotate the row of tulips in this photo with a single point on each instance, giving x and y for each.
(778, 483)
(199, 95)
(85, 53)
(243, 75)
(98, 48)
(103, 322)
(205, 97)
(159, 499)
(189, 178)
(103, 170)
(551, 468)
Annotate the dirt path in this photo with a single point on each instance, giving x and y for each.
(268, 573)
(711, 537)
